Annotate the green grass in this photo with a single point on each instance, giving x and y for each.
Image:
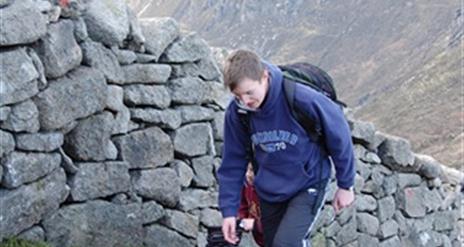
(14, 242)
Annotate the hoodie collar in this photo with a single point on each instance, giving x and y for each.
(275, 87)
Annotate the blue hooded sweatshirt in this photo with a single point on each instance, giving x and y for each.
(289, 161)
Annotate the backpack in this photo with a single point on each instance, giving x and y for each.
(309, 75)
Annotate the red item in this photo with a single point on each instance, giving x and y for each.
(63, 3)
(249, 208)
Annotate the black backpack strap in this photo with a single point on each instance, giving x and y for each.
(245, 120)
(303, 119)
(306, 122)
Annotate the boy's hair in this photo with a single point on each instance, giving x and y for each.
(242, 64)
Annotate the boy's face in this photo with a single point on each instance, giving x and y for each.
(251, 93)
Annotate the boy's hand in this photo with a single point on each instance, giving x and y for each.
(342, 199)
(248, 224)
(228, 229)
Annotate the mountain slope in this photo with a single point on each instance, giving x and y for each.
(427, 108)
(372, 49)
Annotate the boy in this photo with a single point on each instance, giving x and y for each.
(293, 170)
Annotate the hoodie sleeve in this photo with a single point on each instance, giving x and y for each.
(329, 117)
(232, 171)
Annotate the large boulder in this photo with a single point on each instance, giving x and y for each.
(362, 132)
(21, 168)
(81, 93)
(102, 59)
(386, 209)
(24, 117)
(161, 184)
(164, 118)
(159, 34)
(7, 144)
(27, 205)
(183, 222)
(184, 172)
(95, 223)
(388, 229)
(146, 73)
(114, 102)
(124, 56)
(205, 68)
(191, 199)
(195, 113)
(367, 223)
(365, 203)
(35, 233)
(90, 139)
(94, 180)
(188, 48)
(145, 148)
(194, 140)
(218, 126)
(139, 94)
(396, 152)
(18, 81)
(203, 168)
(135, 39)
(21, 23)
(42, 142)
(408, 180)
(188, 90)
(59, 50)
(411, 202)
(152, 212)
(210, 217)
(158, 236)
(107, 21)
(217, 94)
(428, 166)
(4, 112)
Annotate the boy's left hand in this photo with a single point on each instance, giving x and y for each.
(248, 224)
(342, 199)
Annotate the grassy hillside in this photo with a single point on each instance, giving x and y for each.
(427, 108)
(395, 61)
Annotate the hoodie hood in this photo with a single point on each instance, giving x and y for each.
(275, 87)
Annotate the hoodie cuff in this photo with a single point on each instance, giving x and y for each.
(345, 185)
(229, 212)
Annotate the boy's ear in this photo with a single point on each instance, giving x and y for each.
(265, 75)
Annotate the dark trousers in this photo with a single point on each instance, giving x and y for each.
(289, 223)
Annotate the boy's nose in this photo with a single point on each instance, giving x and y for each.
(244, 99)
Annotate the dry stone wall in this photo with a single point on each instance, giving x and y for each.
(402, 198)
(111, 131)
